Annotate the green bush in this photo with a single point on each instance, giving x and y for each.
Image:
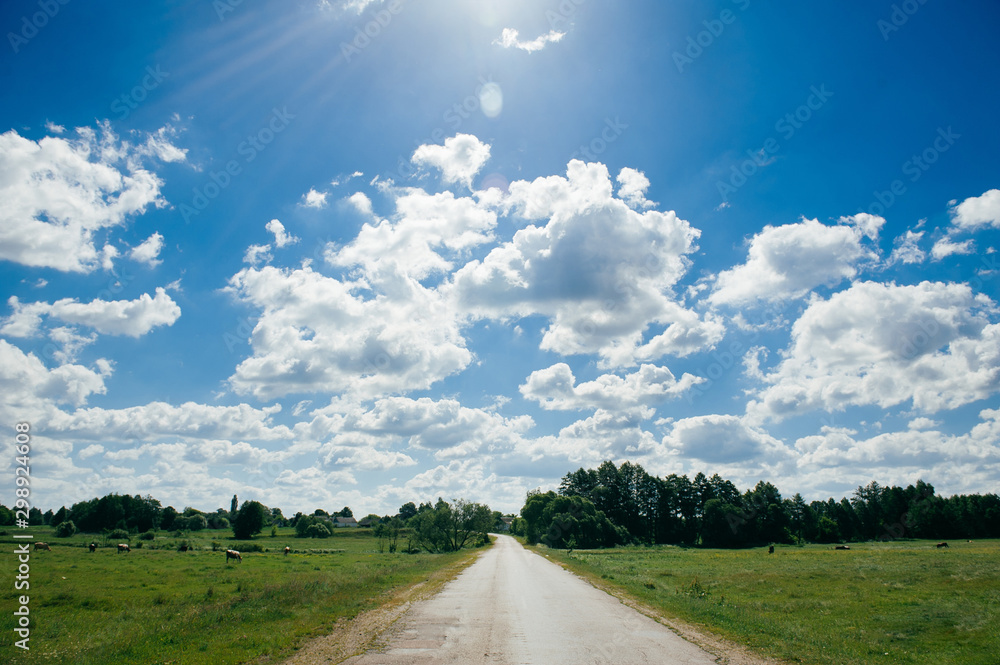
(118, 535)
(148, 535)
(66, 529)
(318, 530)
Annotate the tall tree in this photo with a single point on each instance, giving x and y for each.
(234, 505)
(407, 510)
(579, 483)
(250, 520)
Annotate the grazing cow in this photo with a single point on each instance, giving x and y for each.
(940, 545)
(43, 546)
(123, 547)
(770, 549)
(233, 554)
(93, 547)
(842, 547)
(287, 550)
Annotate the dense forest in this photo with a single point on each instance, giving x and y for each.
(614, 505)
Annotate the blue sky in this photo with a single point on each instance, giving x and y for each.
(367, 252)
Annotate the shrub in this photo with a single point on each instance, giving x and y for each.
(318, 530)
(118, 535)
(148, 535)
(195, 522)
(66, 529)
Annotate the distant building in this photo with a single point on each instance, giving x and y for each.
(366, 521)
(344, 521)
(507, 521)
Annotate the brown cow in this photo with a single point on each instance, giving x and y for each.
(123, 547)
(287, 550)
(842, 547)
(233, 554)
(43, 546)
(93, 547)
(770, 549)
(940, 545)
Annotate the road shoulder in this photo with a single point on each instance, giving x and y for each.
(728, 652)
(351, 637)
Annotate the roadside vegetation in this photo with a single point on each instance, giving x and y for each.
(898, 603)
(175, 599)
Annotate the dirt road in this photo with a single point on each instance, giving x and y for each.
(515, 607)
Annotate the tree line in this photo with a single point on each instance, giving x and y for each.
(439, 527)
(615, 505)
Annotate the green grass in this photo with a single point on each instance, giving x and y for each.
(893, 603)
(158, 605)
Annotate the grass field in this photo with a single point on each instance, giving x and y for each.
(165, 606)
(899, 602)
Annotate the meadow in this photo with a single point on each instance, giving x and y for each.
(160, 605)
(904, 602)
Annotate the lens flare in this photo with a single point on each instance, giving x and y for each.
(491, 100)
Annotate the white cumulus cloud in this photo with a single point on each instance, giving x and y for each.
(459, 159)
(59, 193)
(281, 237)
(977, 212)
(314, 199)
(555, 388)
(787, 262)
(133, 318)
(509, 39)
(148, 251)
(931, 344)
(601, 272)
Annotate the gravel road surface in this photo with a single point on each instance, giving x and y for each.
(512, 607)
